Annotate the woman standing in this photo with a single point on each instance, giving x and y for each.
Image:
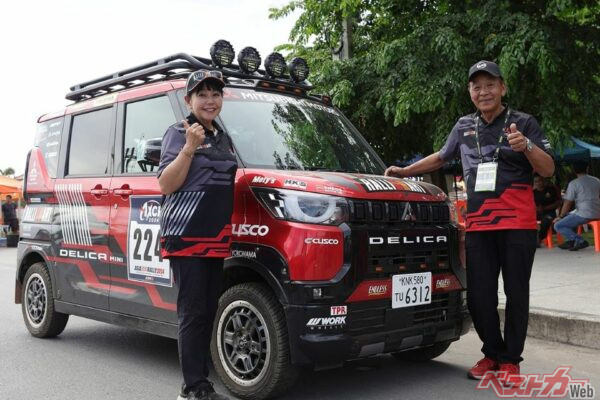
(196, 174)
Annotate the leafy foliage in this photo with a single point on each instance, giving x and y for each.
(406, 83)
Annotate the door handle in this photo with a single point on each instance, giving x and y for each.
(98, 191)
(123, 191)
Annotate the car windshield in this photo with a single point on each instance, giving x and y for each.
(284, 132)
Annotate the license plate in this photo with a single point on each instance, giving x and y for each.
(411, 289)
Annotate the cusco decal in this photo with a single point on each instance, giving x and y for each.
(144, 261)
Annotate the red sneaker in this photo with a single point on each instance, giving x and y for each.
(484, 365)
(513, 376)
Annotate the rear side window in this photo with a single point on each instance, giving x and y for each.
(47, 139)
(145, 124)
(90, 143)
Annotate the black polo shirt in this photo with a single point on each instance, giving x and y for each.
(196, 219)
(511, 205)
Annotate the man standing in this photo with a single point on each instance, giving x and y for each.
(500, 148)
(584, 193)
(9, 212)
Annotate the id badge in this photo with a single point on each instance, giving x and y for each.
(486, 177)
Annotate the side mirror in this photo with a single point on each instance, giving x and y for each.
(149, 153)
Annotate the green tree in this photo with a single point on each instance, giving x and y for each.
(405, 85)
(8, 171)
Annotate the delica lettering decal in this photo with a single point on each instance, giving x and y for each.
(376, 185)
(144, 260)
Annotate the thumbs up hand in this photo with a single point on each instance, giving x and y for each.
(194, 135)
(516, 140)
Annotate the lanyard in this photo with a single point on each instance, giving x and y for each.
(495, 158)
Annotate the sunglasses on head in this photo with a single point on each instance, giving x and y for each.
(205, 73)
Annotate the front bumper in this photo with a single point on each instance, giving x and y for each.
(371, 328)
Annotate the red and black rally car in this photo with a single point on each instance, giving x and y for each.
(330, 260)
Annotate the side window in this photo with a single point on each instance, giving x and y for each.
(145, 124)
(47, 139)
(90, 143)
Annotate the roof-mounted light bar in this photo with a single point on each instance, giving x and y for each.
(298, 69)
(222, 54)
(249, 60)
(275, 65)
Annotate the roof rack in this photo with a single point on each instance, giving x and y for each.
(178, 65)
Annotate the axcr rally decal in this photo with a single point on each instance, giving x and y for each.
(144, 262)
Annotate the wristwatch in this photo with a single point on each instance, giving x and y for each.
(529, 144)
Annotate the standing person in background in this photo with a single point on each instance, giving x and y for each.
(196, 174)
(500, 148)
(547, 201)
(584, 193)
(9, 212)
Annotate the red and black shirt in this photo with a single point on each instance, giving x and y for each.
(195, 220)
(511, 205)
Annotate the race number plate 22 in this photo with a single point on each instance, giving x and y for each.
(410, 290)
(144, 261)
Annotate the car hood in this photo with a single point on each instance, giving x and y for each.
(355, 185)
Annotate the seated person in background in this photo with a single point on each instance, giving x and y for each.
(547, 200)
(584, 193)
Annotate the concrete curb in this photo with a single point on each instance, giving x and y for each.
(563, 327)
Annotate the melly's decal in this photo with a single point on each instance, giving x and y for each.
(144, 261)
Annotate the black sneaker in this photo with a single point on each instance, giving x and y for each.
(566, 245)
(579, 246)
(205, 393)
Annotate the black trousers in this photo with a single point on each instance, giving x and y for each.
(200, 281)
(546, 220)
(488, 253)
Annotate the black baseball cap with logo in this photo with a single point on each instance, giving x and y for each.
(485, 66)
(203, 75)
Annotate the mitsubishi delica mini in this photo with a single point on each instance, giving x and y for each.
(331, 261)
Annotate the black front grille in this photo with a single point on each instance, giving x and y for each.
(437, 311)
(364, 211)
(375, 316)
(435, 261)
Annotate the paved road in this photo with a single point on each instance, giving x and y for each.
(93, 360)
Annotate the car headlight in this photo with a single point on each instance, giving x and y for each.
(311, 208)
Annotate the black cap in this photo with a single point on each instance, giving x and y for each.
(202, 75)
(485, 66)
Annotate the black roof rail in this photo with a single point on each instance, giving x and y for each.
(175, 66)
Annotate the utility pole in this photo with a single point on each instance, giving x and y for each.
(344, 50)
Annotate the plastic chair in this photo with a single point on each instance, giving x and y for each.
(596, 229)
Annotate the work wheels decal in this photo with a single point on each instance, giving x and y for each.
(144, 261)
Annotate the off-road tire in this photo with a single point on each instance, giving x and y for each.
(37, 304)
(423, 354)
(236, 307)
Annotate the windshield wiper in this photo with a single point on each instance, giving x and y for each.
(324, 169)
